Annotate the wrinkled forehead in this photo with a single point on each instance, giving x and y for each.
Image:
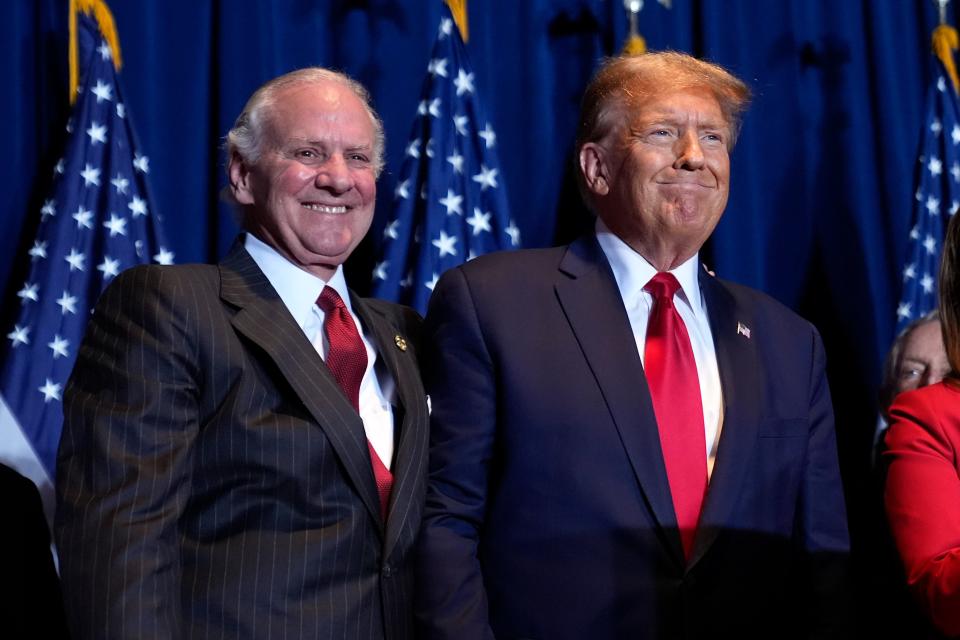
(925, 340)
(635, 106)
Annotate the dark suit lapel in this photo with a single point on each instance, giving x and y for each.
(411, 415)
(594, 309)
(264, 320)
(739, 367)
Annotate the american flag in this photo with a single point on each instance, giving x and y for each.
(450, 204)
(96, 223)
(937, 197)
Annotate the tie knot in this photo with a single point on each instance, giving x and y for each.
(329, 300)
(662, 285)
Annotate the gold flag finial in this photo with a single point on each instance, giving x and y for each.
(459, 10)
(101, 13)
(635, 44)
(945, 42)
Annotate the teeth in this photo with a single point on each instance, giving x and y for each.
(322, 208)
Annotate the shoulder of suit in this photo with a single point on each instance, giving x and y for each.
(760, 307)
(510, 263)
(173, 271)
(154, 277)
(503, 273)
(393, 311)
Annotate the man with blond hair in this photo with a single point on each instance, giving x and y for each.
(622, 445)
(244, 445)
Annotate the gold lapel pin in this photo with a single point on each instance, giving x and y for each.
(400, 342)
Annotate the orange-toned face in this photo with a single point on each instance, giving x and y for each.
(311, 193)
(660, 179)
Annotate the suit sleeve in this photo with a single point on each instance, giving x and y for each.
(922, 499)
(130, 419)
(822, 526)
(459, 373)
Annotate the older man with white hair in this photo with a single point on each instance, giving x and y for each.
(244, 445)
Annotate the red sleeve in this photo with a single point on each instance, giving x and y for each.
(922, 498)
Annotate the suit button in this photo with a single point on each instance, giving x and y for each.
(387, 571)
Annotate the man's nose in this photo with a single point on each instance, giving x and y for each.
(689, 152)
(334, 174)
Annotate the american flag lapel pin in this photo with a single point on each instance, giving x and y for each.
(743, 330)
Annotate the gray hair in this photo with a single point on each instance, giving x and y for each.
(246, 136)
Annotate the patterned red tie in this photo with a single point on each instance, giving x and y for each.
(675, 388)
(347, 360)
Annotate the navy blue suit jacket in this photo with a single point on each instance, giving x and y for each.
(548, 508)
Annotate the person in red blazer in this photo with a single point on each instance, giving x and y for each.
(922, 491)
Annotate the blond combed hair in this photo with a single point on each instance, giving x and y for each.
(622, 83)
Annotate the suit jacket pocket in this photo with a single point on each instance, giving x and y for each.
(778, 471)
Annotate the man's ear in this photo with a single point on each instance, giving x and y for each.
(239, 176)
(593, 166)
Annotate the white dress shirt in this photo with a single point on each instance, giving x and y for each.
(299, 291)
(632, 272)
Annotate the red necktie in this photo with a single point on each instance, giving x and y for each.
(347, 360)
(675, 388)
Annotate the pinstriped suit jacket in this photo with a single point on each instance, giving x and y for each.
(214, 482)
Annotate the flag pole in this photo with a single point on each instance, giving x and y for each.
(459, 10)
(635, 44)
(96, 221)
(108, 29)
(945, 42)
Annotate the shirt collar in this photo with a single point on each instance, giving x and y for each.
(632, 271)
(297, 288)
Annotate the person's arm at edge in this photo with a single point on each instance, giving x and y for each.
(451, 601)
(123, 466)
(922, 500)
(824, 536)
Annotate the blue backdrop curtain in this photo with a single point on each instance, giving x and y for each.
(823, 174)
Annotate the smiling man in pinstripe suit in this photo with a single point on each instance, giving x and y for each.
(216, 478)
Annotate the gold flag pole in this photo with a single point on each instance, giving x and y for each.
(101, 13)
(945, 42)
(635, 44)
(459, 10)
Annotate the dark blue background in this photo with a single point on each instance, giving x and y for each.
(822, 179)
